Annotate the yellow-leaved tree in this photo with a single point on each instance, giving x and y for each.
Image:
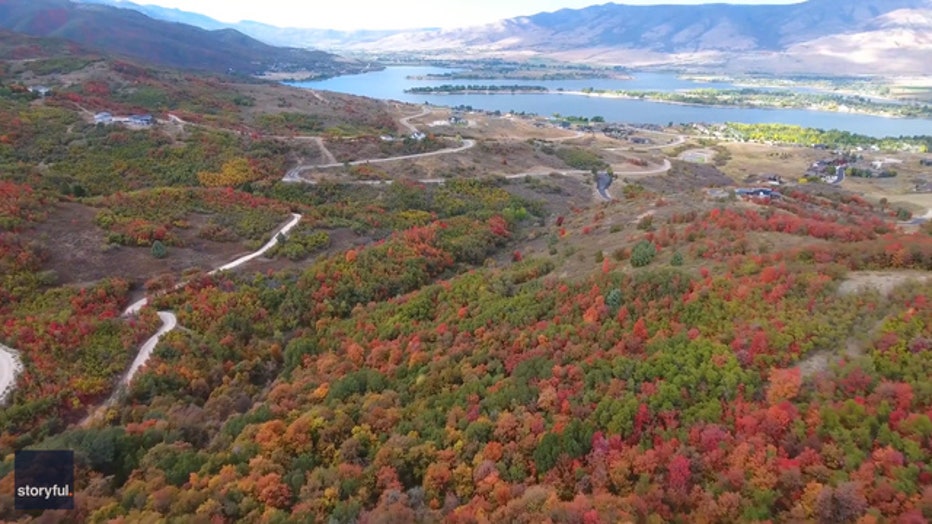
(233, 173)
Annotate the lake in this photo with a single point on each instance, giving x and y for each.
(390, 83)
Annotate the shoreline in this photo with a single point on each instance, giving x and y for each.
(482, 92)
(620, 96)
(736, 106)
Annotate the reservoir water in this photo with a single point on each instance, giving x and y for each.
(390, 83)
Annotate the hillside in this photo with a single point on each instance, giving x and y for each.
(282, 36)
(893, 36)
(460, 328)
(817, 36)
(129, 33)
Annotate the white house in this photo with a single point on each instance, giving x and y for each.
(40, 90)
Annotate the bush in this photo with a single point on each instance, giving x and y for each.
(643, 254)
(581, 158)
(646, 223)
(677, 259)
(159, 250)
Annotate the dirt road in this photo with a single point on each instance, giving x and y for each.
(10, 366)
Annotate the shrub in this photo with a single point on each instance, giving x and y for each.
(643, 253)
(677, 259)
(159, 250)
(646, 223)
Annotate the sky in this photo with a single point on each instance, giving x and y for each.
(390, 14)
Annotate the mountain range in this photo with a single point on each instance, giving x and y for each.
(816, 36)
(180, 45)
(851, 37)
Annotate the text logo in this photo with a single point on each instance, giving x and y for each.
(44, 480)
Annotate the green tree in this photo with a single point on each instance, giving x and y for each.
(643, 253)
(613, 300)
(159, 250)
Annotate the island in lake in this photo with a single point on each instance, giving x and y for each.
(449, 89)
(502, 70)
(746, 97)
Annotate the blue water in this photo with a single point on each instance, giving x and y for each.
(389, 84)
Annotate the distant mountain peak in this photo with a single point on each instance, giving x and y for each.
(761, 36)
(126, 31)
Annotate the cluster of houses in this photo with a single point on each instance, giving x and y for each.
(830, 171)
(106, 118)
(834, 170)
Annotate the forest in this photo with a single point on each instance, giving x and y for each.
(434, 373)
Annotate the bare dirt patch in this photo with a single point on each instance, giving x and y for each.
(697, 156)
(78, 252)
(884, 282)
(820, 361)
(758, 159)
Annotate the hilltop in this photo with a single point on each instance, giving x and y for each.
(817, 36)
(885, 37)
(129, 33)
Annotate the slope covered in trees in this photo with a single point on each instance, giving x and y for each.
(436, 372)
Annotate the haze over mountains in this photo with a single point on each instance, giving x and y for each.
(817, 36)
(134, 34)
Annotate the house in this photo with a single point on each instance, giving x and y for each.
(103, 118)
(757, 192)
(923, 186)
(40, 90)
(141, 120)
(418, 136)
(639, 140)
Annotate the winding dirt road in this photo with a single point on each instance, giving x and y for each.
(406, 121)
(294, 174)
(10, 365)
